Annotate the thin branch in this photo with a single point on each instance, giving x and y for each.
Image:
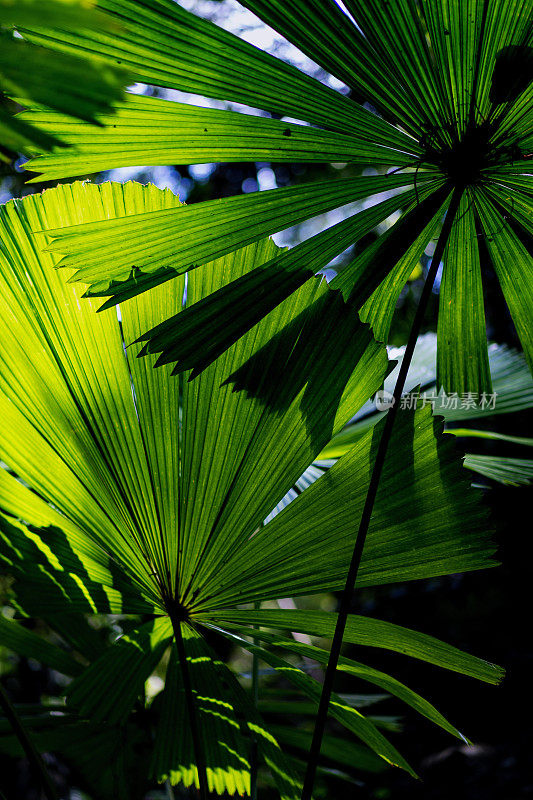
(32, 754)
(346, 598)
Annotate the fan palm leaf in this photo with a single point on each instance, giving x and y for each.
(134, 492)
(450, 85)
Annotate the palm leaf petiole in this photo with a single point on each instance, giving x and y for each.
(346, 597)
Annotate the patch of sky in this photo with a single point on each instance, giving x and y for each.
(297, 233)
(266, 179)
(231, 16)
(438, 279)
(201, 172)
(140, 88)
(249, 185)
(343, 8)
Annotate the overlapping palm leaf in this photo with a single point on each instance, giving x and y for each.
(512, 386)
(134, 492)
(86, 745)
(451, 86)
(110, 761)
(76, 86)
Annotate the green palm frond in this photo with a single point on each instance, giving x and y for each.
(363, 631)
(444, 117)
(512, 392)
(291, 717)
(26, 643)
(375, 677)
(133, 492)
(79, 87)
(511, 471)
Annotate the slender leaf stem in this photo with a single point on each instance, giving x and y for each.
(32, 754)
(346, 598)
(191, 709)
(255, 700)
